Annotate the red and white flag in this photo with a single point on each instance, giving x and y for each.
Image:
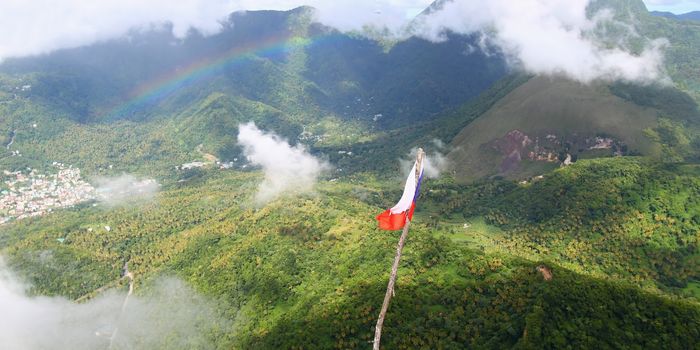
(395, 218)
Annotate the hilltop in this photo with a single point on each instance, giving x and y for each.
(690, 16)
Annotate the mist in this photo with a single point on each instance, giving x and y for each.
(171, 316)
(289, 170)
(125, 190)
(435, 162)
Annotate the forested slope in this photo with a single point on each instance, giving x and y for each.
(620, 241)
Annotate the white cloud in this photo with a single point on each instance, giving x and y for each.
(288, 170)
(31, 27)
(125, 189)
(351, 15)
(547, 37)
(172, 315)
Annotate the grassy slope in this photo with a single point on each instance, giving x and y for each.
(546, 105)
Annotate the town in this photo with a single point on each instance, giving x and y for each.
(29, 194)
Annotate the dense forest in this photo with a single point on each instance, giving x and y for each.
(312, 275)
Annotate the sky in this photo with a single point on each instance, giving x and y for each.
(675, 6)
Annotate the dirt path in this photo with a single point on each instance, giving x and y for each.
(12, 139)
(130, 276)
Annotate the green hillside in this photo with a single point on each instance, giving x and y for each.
(683, 38)
(340, 89)
(282, 59)
(312, 274)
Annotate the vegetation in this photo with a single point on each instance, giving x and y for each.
(619, 235)
(626, 218)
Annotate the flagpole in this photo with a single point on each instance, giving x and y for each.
(395, 267)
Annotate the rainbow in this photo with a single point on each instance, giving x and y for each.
(155, 90)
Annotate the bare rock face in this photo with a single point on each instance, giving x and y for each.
(546, 272)
(548, 147)
(512, 146)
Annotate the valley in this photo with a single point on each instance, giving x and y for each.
(225, 184)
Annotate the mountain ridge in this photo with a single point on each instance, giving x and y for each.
(689, 16)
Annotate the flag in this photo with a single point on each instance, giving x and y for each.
(395, 218)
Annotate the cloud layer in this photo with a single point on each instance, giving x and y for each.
(288, 169)
(554, 37)
(125, 189)
(540, 36)
(172, 316)
(31, 27)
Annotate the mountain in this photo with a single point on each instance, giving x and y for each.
(275, 68)
(627, 9)
(336, 70)
(690, 16)
(537, 126)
